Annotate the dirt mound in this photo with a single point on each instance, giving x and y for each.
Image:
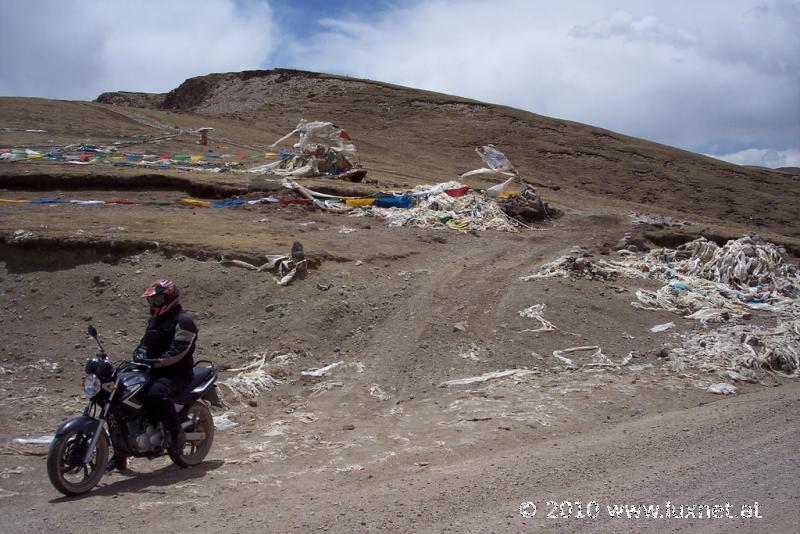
(240, 92)
(191, 93)
(195, 93)
(528, 207)
(794, 171)
(132, 100)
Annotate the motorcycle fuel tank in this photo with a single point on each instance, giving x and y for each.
(131, 383)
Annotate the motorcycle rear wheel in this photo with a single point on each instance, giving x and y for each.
(195, 451)
(65, 466)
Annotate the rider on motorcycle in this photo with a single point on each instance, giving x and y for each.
(168, 346)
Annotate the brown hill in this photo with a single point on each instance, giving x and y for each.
(422, 136)
(795, 171)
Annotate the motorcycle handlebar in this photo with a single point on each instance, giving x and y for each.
(132, 363)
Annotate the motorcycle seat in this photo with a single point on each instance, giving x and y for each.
(199, 375)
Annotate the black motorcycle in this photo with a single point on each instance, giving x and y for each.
(78, 455)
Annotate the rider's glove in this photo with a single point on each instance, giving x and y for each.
(139, 354)
(140, 357)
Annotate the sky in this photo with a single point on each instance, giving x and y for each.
(717, 77)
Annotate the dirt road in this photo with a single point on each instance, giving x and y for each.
(737, 451)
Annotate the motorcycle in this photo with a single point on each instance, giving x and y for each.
(114, 416)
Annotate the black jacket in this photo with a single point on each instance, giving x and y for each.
(170, 339)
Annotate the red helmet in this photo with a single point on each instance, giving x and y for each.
(162, 295)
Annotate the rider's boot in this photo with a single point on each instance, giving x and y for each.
(177, 443)
(117, 462)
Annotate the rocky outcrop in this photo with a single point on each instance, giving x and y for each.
(196, 92)
(132, 100)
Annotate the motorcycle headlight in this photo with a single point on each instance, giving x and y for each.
(91, 385)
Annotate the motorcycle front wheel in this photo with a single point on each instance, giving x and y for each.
(65, 466)
(199, 436)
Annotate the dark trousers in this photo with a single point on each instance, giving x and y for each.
(159, 402)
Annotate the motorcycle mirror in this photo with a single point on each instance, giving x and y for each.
(93, 332)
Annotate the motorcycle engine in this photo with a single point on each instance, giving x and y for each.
(144, 437)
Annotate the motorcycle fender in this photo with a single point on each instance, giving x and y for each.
(82, 422)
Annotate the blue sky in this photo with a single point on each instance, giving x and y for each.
(715, 77)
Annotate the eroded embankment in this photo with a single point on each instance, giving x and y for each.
(673, 239)
(142, 182)
(59, 253)
(207, 189)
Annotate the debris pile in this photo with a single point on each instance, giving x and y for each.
(746, 348)
(260, 375)
(515, 373)
(224, 421)
(746, 273)
(598, 359)
(749, 264)
(322, 371)
(576, 268)
(527, 207)
(712, 284)
(444, 205)
(653, 219)
(325, 150)
(470, 211)
(707, 282)
(286, 266)
(722, 388)
(537, 312)
(41, 440)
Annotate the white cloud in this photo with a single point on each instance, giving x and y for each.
(763, 157)
(81, 48)
(622, 24)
